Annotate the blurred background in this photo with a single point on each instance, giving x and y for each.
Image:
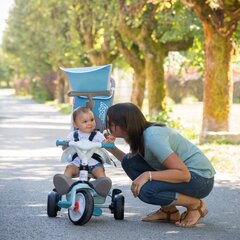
(178, 60)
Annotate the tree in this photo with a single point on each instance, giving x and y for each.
(39, 40)
(155, 33)
(4, 71)
(133, 56)
(93, 20)
(219, 20)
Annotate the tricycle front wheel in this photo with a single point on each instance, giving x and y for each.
(83, 208)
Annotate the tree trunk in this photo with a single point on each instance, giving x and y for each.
(218, 81)
(220, 20)
(61, 87)
(156, 83)
(62, 91)
(138, 88)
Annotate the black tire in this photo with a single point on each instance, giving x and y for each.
(52, 207)
(84, 208)
(118, 207)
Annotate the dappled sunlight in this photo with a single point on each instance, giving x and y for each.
(191, 115)
(31, 166)
(127, 215)
(65, 120)
(35, 173)
(29, 126)
(34, 205)
(227, 177)
(230, 183)
(224, 157)
(27, 153)
(117, 175)
(172, 232)
(33, 178)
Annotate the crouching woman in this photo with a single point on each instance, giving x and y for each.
(166, 169)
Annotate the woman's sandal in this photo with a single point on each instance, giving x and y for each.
(202, 214)
(153, 217)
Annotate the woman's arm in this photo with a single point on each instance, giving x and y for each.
(176, 172)
(116, 152)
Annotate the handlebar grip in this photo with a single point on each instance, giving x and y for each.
(62, 143)
(108, 145)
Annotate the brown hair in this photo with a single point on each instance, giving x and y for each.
(130, 119)
(80, 110)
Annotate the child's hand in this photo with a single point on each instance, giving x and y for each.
(65, 147)
(109, 138)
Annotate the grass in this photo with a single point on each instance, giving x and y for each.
(224, 156)
(65, 108)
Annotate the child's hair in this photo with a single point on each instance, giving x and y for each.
(80, 110)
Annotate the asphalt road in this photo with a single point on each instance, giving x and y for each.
(29, 160)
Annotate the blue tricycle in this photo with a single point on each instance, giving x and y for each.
(83, 198)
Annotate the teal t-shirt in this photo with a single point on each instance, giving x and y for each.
(160, 142)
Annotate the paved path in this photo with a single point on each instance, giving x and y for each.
(28, 161)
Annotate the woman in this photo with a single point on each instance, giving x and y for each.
(166, 169)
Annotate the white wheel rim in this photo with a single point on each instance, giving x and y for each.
(76, 215)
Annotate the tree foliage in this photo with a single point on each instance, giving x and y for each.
(153, 32)
(4, 71)
(43, 35)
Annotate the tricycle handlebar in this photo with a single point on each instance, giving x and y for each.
(85, 144)
(62, 143)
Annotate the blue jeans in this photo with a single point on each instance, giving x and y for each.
(164, 193)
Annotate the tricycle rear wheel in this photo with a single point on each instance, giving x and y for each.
(118, 207)
(52, 207)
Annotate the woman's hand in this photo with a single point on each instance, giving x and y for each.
(138, 183)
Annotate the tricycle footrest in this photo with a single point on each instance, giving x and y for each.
(64, 204)
(97, 212)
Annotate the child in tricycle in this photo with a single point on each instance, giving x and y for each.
(84, 129)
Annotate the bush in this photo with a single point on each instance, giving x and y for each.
(39, 91)
(164, 117)
(236, 92)
(65, 108)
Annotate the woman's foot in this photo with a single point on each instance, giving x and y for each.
(192, 216)
(163, 215)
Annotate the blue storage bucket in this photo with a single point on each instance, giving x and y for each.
(89, 79)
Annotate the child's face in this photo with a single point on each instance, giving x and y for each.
(85, 122)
